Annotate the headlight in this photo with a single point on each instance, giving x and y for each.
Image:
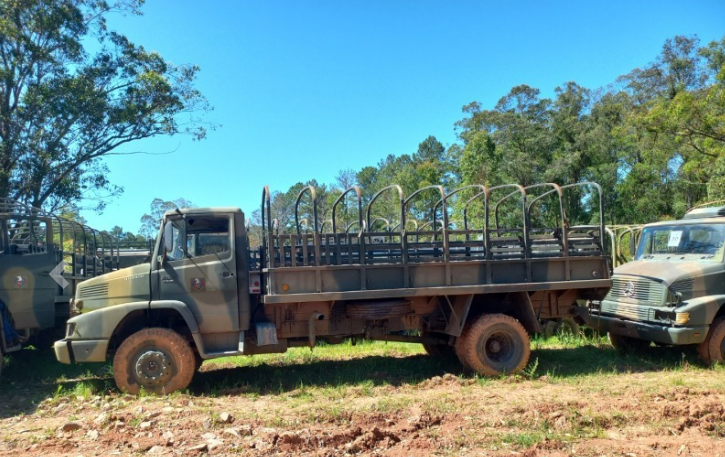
(682, 318)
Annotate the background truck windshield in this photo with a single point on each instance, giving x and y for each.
(687, 242)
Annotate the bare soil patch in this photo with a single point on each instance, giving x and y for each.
(670, 412)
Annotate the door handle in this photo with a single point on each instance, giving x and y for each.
(227, 274)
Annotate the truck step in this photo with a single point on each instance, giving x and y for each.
(15, 348)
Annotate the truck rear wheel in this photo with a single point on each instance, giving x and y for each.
(158, 360)
(496, 344)
(713, 348)
(625, 343)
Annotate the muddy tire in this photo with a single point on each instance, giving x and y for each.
(459, 348)
(713, 348)
(626, 343)
(158, 360)
(496, 344)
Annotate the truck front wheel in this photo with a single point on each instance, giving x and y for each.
(158, 360)
(713, 348)
(495, 344)
(625, 343)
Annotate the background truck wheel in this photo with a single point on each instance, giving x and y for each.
(550, 328)
(563, 326)
(625, 343)
(496, 344)
(713, 348)
(568, 326)
(156, 359)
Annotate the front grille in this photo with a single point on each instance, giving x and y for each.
(93, 290)
(629, 311)
(636, 290)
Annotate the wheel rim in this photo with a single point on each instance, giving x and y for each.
(498, 348)
(153, 367)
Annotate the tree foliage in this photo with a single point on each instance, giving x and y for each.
(654, 141)
(151, 221)
(73, 91)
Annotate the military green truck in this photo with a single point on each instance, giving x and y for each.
(33, 245)
(673, 292)
(473, 289)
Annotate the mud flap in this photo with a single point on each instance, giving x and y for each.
(524, 311)
(459, 313)
(266, 333)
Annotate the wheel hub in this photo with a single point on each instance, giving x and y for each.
(498, 348)
(153, 367)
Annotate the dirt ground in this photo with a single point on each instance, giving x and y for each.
(667, 413)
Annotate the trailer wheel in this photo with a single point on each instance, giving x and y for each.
(496, 344)
(158, 360)
(713, 348)
(625, 343)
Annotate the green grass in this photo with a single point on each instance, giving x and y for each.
(337, 371)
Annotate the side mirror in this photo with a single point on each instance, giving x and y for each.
(168, 237)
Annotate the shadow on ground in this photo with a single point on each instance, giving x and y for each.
(32, 376)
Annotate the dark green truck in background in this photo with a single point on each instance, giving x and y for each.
(674, 291)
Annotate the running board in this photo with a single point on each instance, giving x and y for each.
(239, 351)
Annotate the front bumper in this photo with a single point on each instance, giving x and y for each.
(658, 333)
(69, 351)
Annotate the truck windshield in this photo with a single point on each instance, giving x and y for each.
(691, 242)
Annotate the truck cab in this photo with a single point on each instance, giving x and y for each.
(673, 292)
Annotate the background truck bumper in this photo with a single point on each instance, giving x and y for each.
(69, 351)
(651, 332)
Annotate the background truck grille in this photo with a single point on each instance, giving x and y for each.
(629, 311)
(636, 290)
(683, 286)
(94, 290)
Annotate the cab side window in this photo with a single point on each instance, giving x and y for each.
(208, 235)
(177, 251)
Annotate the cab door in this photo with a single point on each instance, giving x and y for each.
(200, 270)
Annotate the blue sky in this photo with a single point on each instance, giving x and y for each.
(303, 89)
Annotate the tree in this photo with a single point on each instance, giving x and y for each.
(62, 107)
(151, 221)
